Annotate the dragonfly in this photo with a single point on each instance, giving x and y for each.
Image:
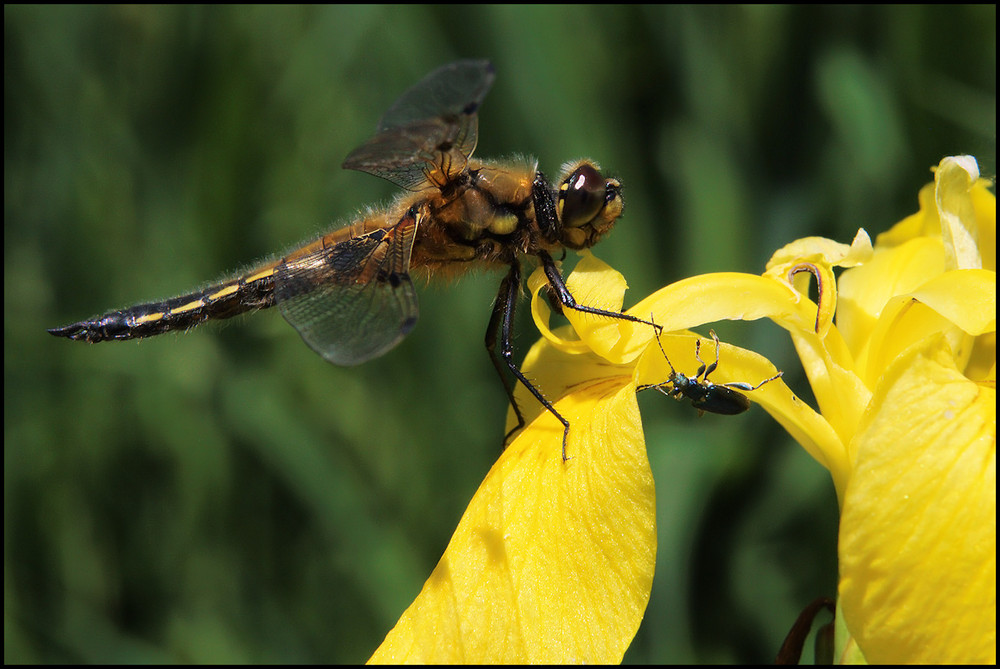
(350, 293)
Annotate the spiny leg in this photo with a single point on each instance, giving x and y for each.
(702, 368)
(566, 299)
(735, 384)
(710, 368)
(501, 321)
(502, 317)
(747, 387)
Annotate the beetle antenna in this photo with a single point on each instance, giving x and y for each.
(673, 372)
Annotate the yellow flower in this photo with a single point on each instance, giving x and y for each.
(532, 573)
(553, 560)
(917, 541)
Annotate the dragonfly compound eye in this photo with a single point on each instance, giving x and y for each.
(581, 196)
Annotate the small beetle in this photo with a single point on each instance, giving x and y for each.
(720, 398)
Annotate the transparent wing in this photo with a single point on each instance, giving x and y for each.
(352, 301)
(451, 90)
(428, 134)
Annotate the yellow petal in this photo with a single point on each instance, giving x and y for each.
(541, 314)
(959, 304)
(982, 363)
(846, 649)
(984, 203)
(829, 365)
(967, 298)
(953, 181)
(555, 369)
(841, 394)
(727, 296)
(824, 251)
(596, 284)
(553, 561)
(806, 426)
(918, 527)
(905, 322)
(735, 296)
(864, 291)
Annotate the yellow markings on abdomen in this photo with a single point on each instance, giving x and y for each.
(200, 306)
(190, 306)
(226, 290)
(223, 300)
(265, 273)
(149, 318)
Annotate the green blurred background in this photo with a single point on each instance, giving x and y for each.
(225, 495)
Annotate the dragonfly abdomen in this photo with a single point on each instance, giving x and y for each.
(248, 293)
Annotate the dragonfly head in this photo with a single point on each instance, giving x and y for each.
(588, 204)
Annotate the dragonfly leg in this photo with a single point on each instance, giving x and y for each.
(501, 322)
(558, 287)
